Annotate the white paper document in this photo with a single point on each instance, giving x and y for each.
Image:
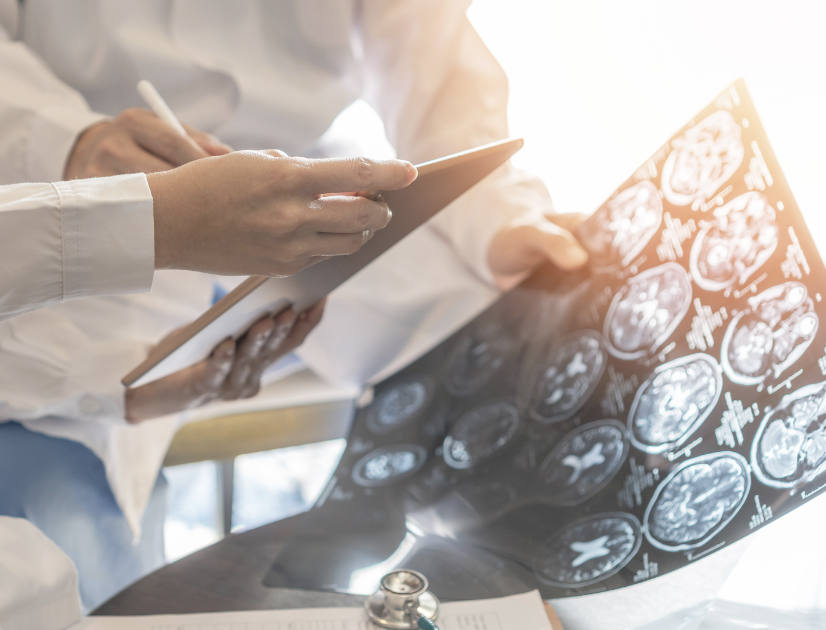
(516, 612)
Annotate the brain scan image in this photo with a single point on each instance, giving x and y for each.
(646, 310)
(789, 448)
(696, 501)
(388, 465)
(621, 229)
(475, 358)
(589, 550)
(731, 246)
(568, 377)
(583, 462)
(480, 433)
(674, 402)
(770, 335)
(702, 159)
(400, 403)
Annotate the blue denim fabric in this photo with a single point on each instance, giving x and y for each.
(218, 292)
(61, 487)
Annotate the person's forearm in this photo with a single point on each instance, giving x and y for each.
(73, 239)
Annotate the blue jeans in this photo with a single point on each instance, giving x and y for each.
(61, 487)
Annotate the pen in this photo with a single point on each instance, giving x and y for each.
(156, 103)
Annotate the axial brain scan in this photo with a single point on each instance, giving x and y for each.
(768, 337)
(400, 403)
(730, 247)
(696, 501)
(569, 377)
(674, 402)
(480, 433)
(789, 448)
(583, 462)
(389, 464)
(589, 550)
(475, 358)
(621, 228)
(646, 310)
(703, 158)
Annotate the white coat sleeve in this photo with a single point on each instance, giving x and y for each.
(40, 116)
(73, 239)
(38, 582)
(438, 90)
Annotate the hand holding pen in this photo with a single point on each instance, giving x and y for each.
(138, 140)
(287, 215)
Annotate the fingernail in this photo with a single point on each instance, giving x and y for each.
(412, 172)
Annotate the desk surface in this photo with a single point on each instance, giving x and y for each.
(225, 576)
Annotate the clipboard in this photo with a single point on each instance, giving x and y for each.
(440, 182)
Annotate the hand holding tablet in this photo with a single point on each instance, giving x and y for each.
(262, 212)
(439, 182)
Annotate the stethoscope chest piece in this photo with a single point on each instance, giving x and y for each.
(401, 600)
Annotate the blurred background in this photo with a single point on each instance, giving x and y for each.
(596, 87)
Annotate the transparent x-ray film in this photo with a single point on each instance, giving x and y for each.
(591, 431)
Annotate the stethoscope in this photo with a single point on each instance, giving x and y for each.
(403, 602)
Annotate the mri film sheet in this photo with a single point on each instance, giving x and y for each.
(591, 431)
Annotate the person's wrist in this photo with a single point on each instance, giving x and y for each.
(77, 156)
(160, 186)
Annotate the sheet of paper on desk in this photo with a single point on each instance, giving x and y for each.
(517, 612)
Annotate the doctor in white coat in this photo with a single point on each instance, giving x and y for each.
(91, 237)
(252, 73)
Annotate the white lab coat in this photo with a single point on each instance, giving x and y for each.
(258, 74)
(59, 241)
(38, 583)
